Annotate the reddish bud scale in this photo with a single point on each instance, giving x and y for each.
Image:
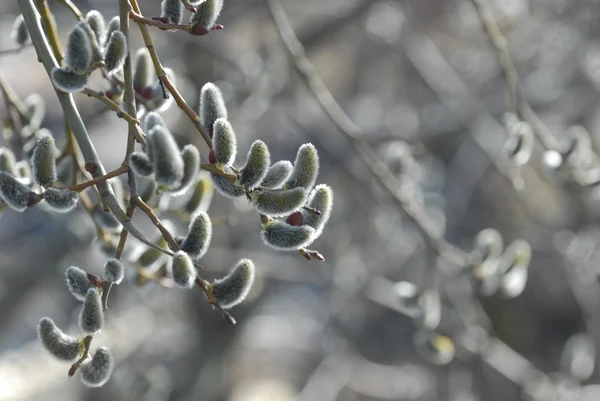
(148, 92)
(211, 156)
(295, 219)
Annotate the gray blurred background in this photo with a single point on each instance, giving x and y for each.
(416, 71)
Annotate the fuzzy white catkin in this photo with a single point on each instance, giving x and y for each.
(226, 187)
(277, 203)
(95, 44)
(67, 81)
(282, 236)
(96, 372)
(113, 25)
(184, 272)
(114, 271)
(78, 55)
(168, 164)
(208, 12)
(321, 198)
(278, 174)
(306, 168)
(96, 21)
(233, 288)
(116, 52)
(36, 109)
(257, 165)
(152, 120)
(91, 318)
(77, 282)
(191, 167)
(8, 161)
(15, 194)
(202, 194)
(143, 73)
(141, 164)
(62, 200)
(198, 238)
(212, 105)
(224, 141)
(60, 345)
(43, 163)
(172, 11)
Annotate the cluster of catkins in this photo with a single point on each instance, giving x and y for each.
(201, 22)
(87, 288)
(91, 44)
(20, 180)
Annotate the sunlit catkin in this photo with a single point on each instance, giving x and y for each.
(208, 12)
(257, 165)
(152, 120)
(67, 81)
(197, 241)
(212, 105)
(306, 168)
(141, 164)
(321, 199)
(282, 236)
(171, 11)
(191, 166)
(202, 194)
(113, 25)
(78, 55)
(77, 282)
(43, 163)
(91, 318)
(278, 174)
(96, 372)
(96, 21)
(184, 272)
(226, 187)
(143, 73)
(115, 52)
(224, 141)
(114, 271)
(233, 288)
(60, 345)
(15, 194)
(62, 200)
(168, 164)
(276, 203)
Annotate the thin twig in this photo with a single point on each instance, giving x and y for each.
(189, 7)
(213, 169)
(97, 180)
(111, 105)
(354, 133)
(156, 221)
(157, 23)
(15, 50)
(50, 28)
(73, 8)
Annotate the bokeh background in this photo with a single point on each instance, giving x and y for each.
(416, 76)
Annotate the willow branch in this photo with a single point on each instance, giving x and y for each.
(50, 29)
(73, 9)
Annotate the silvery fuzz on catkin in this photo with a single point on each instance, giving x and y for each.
(67, 81)
(113, 25)
(95, 44)
(96, 372)
(172, 11)
(116, 52)
(212, 105)
(78, 55)
(62, 200)
(152, 120)
(224, 141)
(15, 194)
(282, 236)
(197, 241)
(97, 23)
(306, 168)
(78, 282)
(257, 165)
(277, 203)
(91, 318)
(168, 164)
(114, 271)
(141, 164)
(191, 166)
(143, 73)
(208, 12)
(19, 33)
(233, 288)
(202, 194)
(278, 174)
(226, 187)
(184, 272)
(8, 161)
(43, 163)
(321, 198)
(60, 345)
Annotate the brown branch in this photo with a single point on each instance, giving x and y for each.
(189, 7)
(310, 253)
(87, 342)
(173, 245)
(111, 105)
(97, 180)
(354, 134)
(140, 19)
(213, 169)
